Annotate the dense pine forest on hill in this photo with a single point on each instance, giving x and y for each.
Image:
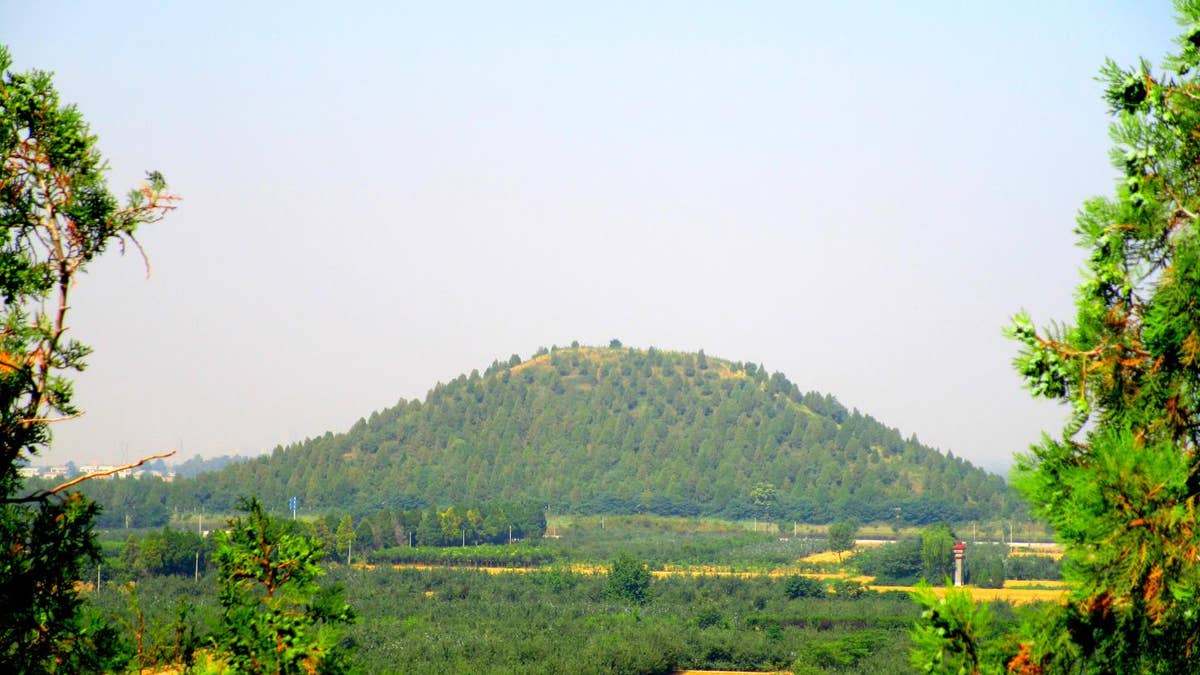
(604, 430)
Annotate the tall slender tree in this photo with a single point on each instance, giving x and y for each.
(56, 216)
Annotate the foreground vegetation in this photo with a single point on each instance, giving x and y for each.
(553, 621)
(640, 594)
(1121, 483)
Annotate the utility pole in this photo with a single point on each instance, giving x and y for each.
(197, 566)
(97, 578)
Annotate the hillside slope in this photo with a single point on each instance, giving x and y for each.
(605, 430)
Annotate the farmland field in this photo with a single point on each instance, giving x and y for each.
(717, 596)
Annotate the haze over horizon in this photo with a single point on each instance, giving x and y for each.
(378, 197)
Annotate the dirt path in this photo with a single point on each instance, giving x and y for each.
(1029, 591)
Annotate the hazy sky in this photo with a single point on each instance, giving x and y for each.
(381, 196)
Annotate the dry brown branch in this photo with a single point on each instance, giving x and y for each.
(50, 420)
(142, 252)
(45, 494)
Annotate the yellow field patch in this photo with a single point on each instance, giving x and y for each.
(1015, 596)
(1015, 591)
(733, 672)
(1053, 584)
(824, 557)
(1036, 553)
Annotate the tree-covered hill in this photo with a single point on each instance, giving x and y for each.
(607, 430)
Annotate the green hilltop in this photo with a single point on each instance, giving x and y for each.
(618, 430)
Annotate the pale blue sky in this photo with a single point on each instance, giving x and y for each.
(381, 196)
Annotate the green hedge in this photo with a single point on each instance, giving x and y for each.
(485, 555)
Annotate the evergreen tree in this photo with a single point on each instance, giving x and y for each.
(56, 216)
(1120, 484)
(275, 616)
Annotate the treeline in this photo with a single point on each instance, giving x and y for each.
(604, 431)
(399, 536)
(930, 556)
(484, 555)
(455, 525)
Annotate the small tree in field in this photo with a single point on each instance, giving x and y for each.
(56, 216)
(842, 536)
(275, 618)
(1121, 484)
(629, 579)
(763, 496)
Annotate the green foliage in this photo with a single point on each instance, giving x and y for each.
(170, 551)
(275, 616)
(629, 579)
(764, 496)
(445, 621)
(848, 588)
(594, 430)
(842, 535)
(1120, 484)
(557, 620)
(899, 563)
(46, 552)
(842, 653)
(1032, 567)
(160, 641)
(56, 216)
(162, 621)
(660, 541)
(484, 555)
(937, 553)
(797, 586)
(983, 565)
(344, 537)
(952, 637)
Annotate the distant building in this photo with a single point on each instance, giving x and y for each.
(61, 471)
(98, 468)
